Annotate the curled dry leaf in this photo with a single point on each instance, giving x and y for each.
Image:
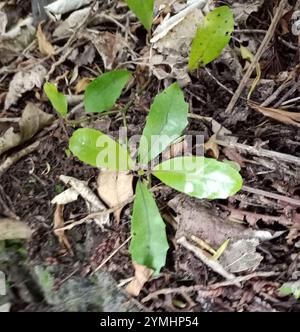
(60, 7)
(32, 121)
(114, 188)
(68, 196)
(142, 275)
(92, 201)
(24, 81)
(241, 256)
(58, 222)
(11, 229)
(45, 46)
(286, 117)
(212, 146)
(82, 84)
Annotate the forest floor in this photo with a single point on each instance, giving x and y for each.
(262, 138)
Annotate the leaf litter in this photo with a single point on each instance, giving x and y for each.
(250, 221)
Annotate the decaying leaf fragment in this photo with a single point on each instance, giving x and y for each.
(93, 202)
(114, 188)
(241, 256)
(32, 121)
(45, 46)
(24, 81)
(286, 117)
(142, 275)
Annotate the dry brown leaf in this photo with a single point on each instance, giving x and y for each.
(114, 188)
(58, 222)
(45, 46)
(82, 84)
(142, 275)
(212, 146)
(286, 117)
(241, 256)
(107, 44)
(175, 150)
(11, 229)
(93, 202)
(33, 120)
(24, 81)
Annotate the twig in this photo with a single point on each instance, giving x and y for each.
(111, 255)
(17, 156)
(184, 289)
(257, 151)
(278, 197)
(257, 56)
(214, 265)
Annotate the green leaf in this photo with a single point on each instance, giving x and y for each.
(149, 243)
(199, 177)
(58, 100)
(289, 288)
(101, 94)
(165, 123)
(99, 150)
(211, 37)
(144, 10)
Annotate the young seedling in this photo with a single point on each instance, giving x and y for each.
(198, 177)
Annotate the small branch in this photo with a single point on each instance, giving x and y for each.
(257, 56)
(111, 255)
(183, 289)
(257, 151)
(288, 200)
(214, 265)
(17, 156)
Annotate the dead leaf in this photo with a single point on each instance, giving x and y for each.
(71, 23)
(212, 146)
(107, 44)
(58, 222)
(286, 117)
(114, 188)
(82, 84)
(93, 202)
(68, 196)
(175, 150)
(24, 81)
(142, 275)
(241, 256)
(60, 7)
(32, 121)
(45, 46)
(11, 229)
